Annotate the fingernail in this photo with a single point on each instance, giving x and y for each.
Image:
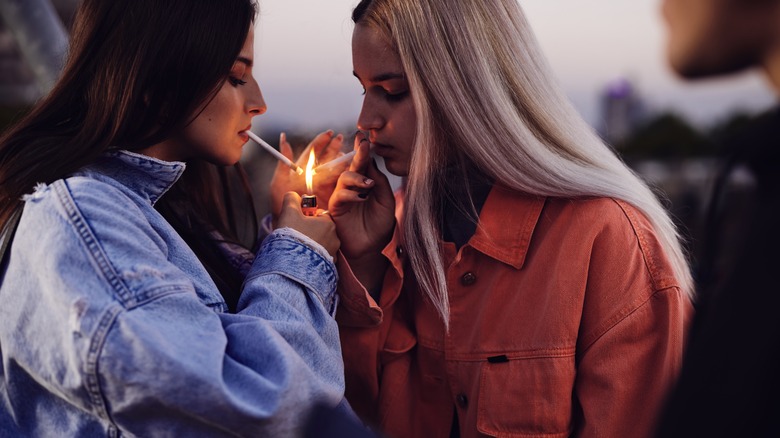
(362, 195)
(368, 181)
(330, 132)
(282, 137)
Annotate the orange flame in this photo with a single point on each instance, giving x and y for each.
(310, 172)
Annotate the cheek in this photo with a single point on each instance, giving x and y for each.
(409, 123)
(220, 107)
(211, 124)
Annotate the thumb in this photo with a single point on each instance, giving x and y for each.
(292, 201)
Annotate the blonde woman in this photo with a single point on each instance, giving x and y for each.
(534, 286)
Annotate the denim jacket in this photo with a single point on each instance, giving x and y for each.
(110, 326)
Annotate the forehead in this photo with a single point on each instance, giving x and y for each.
(249, 44)
(371, 53)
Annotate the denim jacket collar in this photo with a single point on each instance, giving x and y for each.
(149, 177)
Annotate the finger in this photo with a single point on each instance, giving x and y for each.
(291, 202)
(341, 202)
(361, 159)
(320, 142)
(348, 180)
(332, 150)
(303, 158)
(284, 146)
(382, 189)
(352, 180)
(286, 150)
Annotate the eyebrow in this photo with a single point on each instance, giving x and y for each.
(246, 61)
(384, 76)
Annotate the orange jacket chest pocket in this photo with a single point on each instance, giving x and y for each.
(526, 396)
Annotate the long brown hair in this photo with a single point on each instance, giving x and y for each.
(137, 71)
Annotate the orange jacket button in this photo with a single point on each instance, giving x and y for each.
(462, 401)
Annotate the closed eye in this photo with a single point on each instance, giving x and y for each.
(236, 82)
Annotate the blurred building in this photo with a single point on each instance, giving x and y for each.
(622, 111)
(33, 38)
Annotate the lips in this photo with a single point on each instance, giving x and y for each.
(244, 136)
(380, 147)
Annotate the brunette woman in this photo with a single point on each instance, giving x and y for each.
(111, 325)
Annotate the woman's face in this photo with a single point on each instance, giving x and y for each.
(709, 37)
(388, 112)
(218, 133)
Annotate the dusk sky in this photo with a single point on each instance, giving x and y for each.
(305, 71)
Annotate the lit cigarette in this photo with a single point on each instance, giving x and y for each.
(274, 152)
(335, 162)
(338, 161)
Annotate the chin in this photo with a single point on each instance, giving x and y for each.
(699, 69)
(224, 160)
(396, 168)
(703, 61)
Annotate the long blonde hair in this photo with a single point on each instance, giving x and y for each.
(484, 94)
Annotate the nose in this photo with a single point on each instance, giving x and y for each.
(255, 102)
(370, 117)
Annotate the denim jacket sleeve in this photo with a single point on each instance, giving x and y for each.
(121, 332)
(249, 373)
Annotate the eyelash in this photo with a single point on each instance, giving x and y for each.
(236, 82)
(397, 97)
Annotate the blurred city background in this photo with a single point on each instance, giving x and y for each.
(607, 55)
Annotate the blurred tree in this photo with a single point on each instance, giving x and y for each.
(729, 133)
(665, 137)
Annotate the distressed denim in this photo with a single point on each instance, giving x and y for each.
(110, 326)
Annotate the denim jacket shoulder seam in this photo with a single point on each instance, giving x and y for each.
(88, 237)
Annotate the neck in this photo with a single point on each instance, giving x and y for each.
(772, 68)
(771, 61)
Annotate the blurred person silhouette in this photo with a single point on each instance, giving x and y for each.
(112, 324)
(533, 285)
(730, 385)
